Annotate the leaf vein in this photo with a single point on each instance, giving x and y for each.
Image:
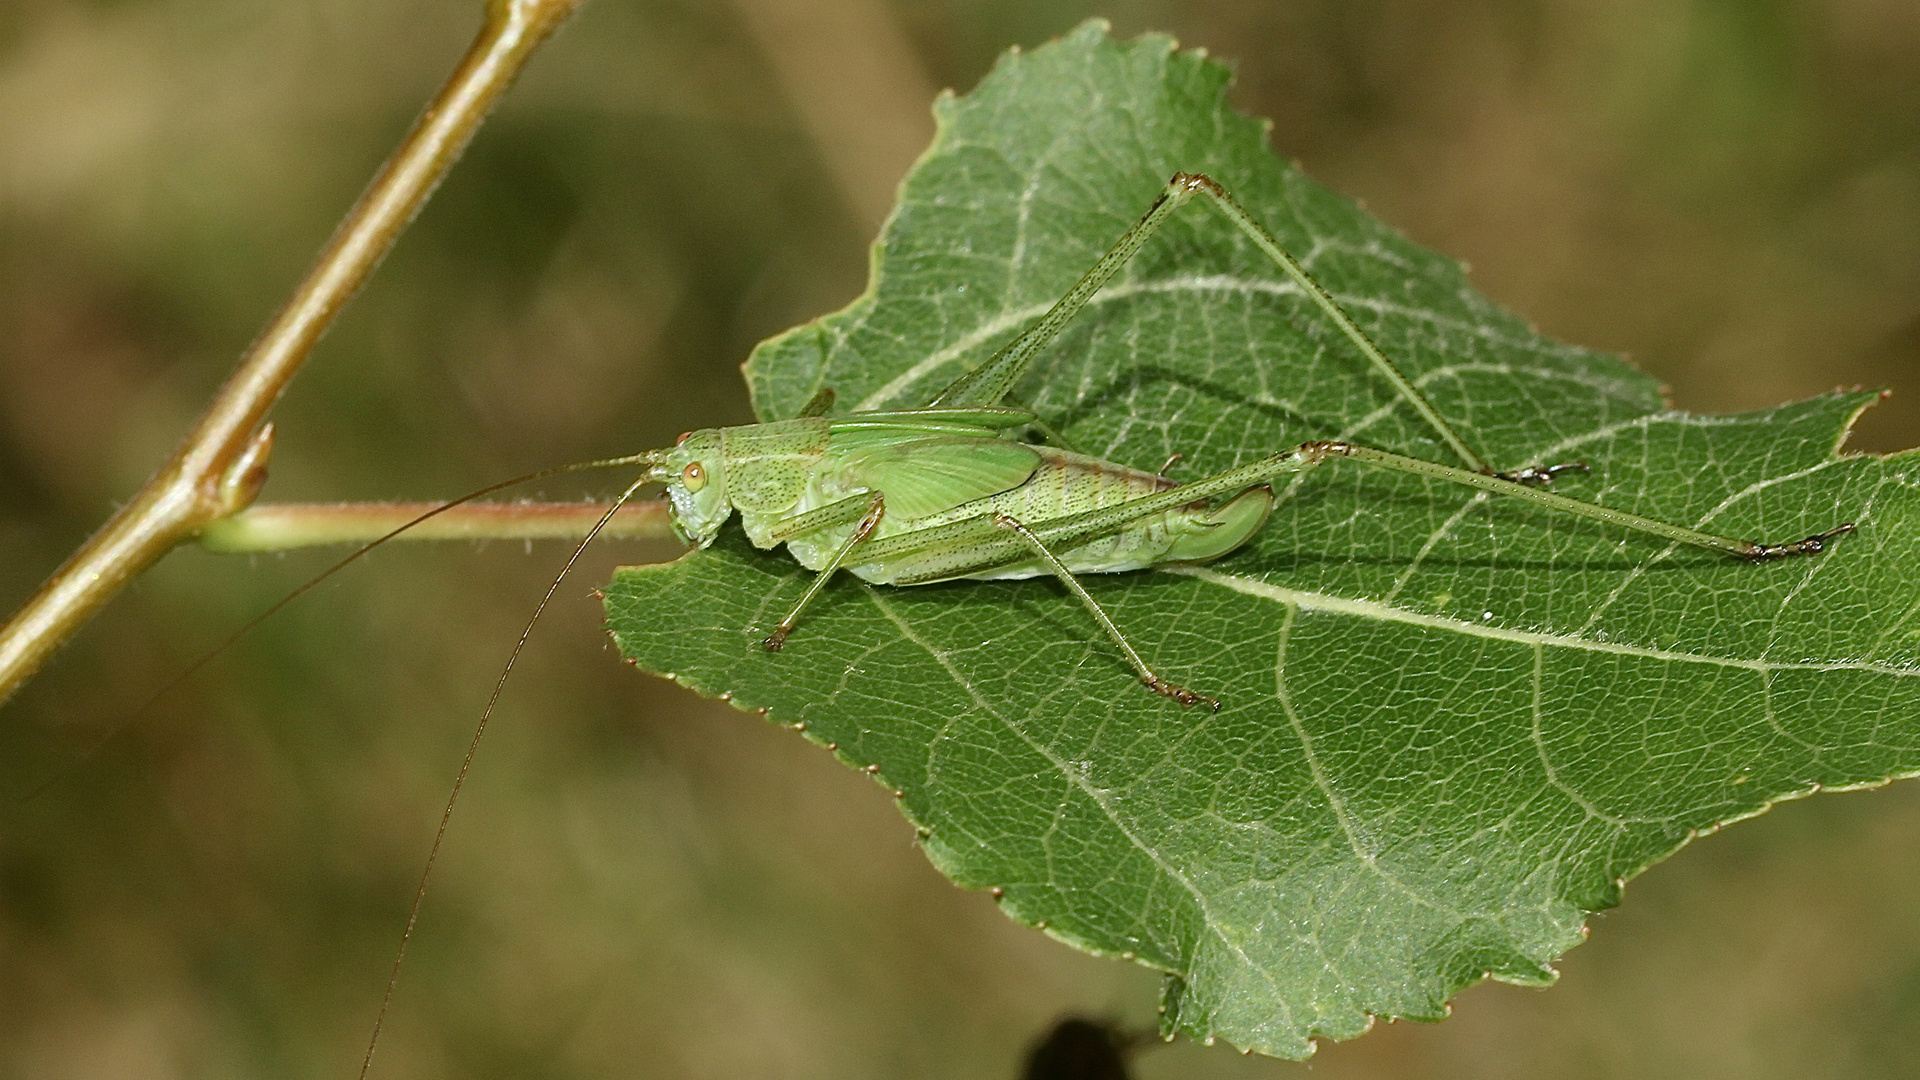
(1093, 794)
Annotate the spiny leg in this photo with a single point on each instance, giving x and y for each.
(1154, 682)
(1069, 531)
(1750, 550)
(1262, 239)
(1075, 529)
(989, 383)
(1227, 205)
(876, 508)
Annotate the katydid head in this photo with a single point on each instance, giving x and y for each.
(694, 471)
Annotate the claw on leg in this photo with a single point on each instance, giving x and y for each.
(1180, 693)
(1541, 475)
(1812, 545)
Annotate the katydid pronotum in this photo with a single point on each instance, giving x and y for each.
(943, 492)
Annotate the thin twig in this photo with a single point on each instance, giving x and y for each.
(218, 468)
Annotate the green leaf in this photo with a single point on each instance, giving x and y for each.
(1452, 726)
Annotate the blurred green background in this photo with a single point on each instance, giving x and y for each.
(640, 883)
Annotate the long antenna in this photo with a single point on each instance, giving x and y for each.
(466, 765)
(254, 623)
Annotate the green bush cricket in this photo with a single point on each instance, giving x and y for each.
(944, 492)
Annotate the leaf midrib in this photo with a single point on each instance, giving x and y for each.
(1308, 600)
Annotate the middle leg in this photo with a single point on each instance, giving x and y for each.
(876, 509)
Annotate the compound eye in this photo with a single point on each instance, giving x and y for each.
(694, 476)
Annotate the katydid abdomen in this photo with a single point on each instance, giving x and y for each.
(1062, 483)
